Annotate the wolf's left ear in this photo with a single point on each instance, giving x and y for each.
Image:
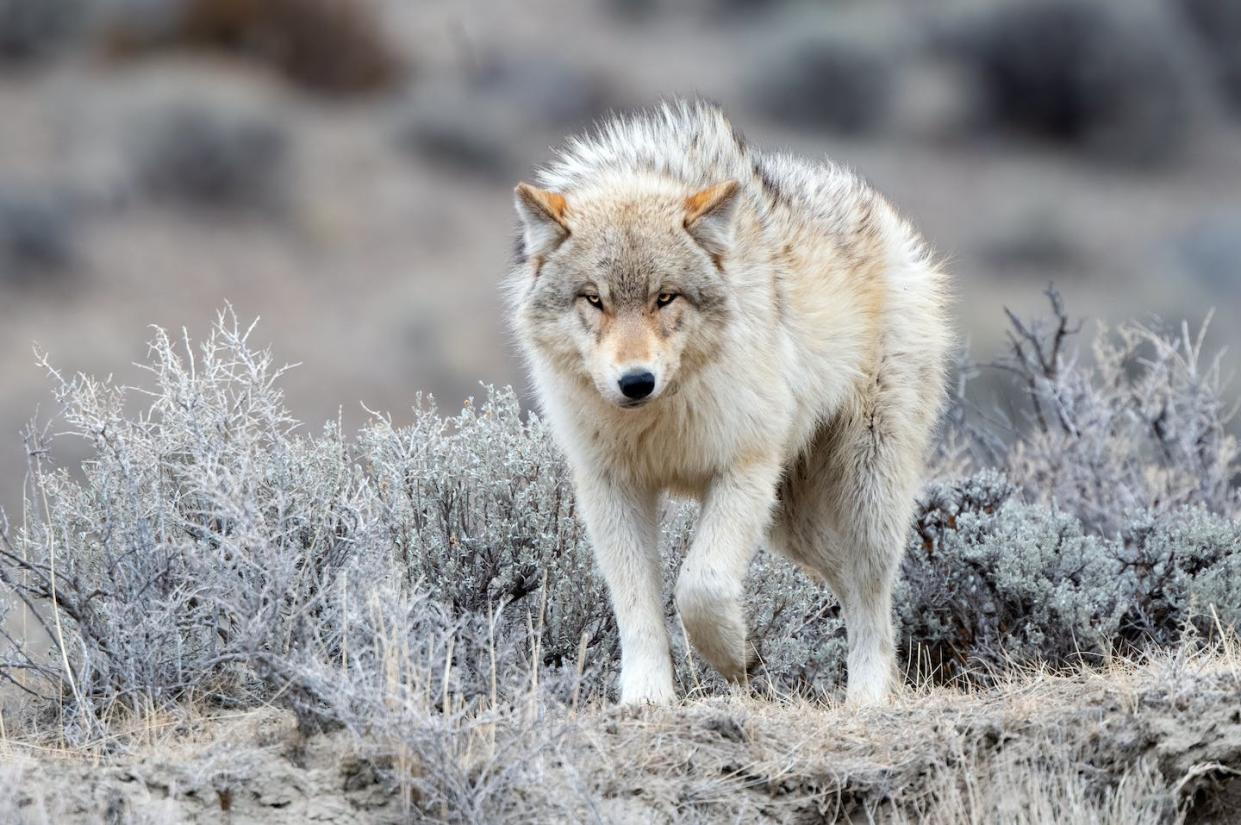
(709, 217)
(542, 219)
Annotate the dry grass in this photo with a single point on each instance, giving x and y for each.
(1127, 743)
(1150, 742)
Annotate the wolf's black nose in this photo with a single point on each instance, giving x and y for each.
(637, 384)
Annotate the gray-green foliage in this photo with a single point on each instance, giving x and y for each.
(1178, 568)
(213, 551)
(989, 578)
(992, 577)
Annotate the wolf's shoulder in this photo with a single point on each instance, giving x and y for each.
(691, 140)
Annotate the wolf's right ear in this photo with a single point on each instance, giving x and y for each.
(542, 216)
(709, 217)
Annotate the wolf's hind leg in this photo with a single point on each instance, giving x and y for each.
(734, 518)
(860, 566)
(874, 503)
(865, 592)
(624, 530)
(845, 511)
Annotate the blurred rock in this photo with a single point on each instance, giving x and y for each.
(546, 91)
(328, 46)
(746, 7)
(831, 83)
(474, 140)
(1037, 245)
(1210, 251)
(634, 11)
(31, 29)
(37, 235)
(1105, 78)
(132, 25)
(1218, 25)
(933, 102)
(209, 155)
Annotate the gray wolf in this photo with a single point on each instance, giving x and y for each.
(757, 331)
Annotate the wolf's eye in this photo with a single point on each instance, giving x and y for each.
(665, 298)
(594, 301)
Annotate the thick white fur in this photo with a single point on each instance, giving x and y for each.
(806, 426)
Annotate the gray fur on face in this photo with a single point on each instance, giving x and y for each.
(627, 252)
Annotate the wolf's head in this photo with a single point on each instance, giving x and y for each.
(623, 283)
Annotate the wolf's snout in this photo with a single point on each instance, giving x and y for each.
(637, 384)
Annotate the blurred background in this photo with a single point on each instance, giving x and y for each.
(343, 168)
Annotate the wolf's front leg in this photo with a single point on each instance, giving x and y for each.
(623, 524)
(734, 519)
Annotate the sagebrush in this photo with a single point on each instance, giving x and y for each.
(213, 551)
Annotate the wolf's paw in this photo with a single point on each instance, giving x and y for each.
(647, 686)
(716, 628)
(860, 699)
(870, 689)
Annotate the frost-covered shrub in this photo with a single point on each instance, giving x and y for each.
(1142, 425)
(453, 711)
(212, 552)
(203, 529)
(798, 629)
(479, 510)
